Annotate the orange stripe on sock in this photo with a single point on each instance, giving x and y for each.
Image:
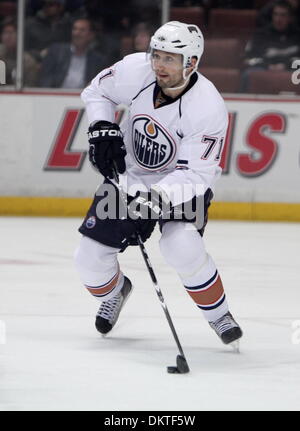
(106, 288)
(210, 295)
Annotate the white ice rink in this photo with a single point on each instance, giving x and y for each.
(54, 359)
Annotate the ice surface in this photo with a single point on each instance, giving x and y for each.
(54, 359)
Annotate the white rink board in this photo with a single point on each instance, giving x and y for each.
(33, 125)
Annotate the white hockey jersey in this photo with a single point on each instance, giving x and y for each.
(175, 146)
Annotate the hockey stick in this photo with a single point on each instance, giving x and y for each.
(181, 362)
(182, 365)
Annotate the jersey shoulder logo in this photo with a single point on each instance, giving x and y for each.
(153, 147)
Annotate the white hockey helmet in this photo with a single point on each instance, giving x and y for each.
(179, 38)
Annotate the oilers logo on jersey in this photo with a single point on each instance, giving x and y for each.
(153, 147)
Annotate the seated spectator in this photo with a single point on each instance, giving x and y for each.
(50, 25)
(273, 47)
(109, 27)
(8, 53)
(264, 16)
(72, 65)
(141, 35)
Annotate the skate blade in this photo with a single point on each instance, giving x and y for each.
(235, 345)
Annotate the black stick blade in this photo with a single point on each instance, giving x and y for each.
(182, 365)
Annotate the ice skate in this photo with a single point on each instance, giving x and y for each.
(228, 330)
(109, 311)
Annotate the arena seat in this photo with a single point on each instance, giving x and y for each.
(225, 80)
(222, 53)
(232, 22)
(271, 82)
(189, 15)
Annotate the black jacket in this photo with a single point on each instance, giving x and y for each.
(269, 46)
(56, 64)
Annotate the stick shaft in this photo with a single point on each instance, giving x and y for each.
(159, 293)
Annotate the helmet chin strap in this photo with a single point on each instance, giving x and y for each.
(186, 80)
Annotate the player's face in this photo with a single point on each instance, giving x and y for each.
(168, 68)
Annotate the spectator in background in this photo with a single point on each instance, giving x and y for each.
(72, 65)
(108, 26)
(50, 25)
(273, 47)
(141, 36)
(8, 53)
(265, 14)
(138, 40)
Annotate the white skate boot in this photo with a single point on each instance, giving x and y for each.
(228, 330)
(109, 311)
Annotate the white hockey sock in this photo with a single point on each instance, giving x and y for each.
(206, 290)
(183, 249)
(107, 290)
(98, 268)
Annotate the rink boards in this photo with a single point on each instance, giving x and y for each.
(45, 168)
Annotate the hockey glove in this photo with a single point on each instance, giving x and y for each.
(155, 205)
(106, 148)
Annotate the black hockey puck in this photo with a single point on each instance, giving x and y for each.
(182, 366)
(173, 370)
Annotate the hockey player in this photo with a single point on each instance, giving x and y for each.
(168, 149)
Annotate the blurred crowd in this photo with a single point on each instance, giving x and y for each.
(67, 42)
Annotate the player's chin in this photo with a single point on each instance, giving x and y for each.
(163, 83)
